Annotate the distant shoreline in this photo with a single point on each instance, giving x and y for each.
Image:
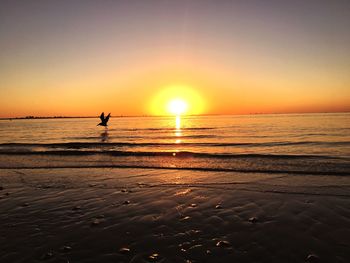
(136, 116)
(45, 117)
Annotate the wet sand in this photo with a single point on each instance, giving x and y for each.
(145, 215)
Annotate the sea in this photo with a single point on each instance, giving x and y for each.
(303, 144)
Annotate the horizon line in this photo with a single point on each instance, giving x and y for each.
(31, 117)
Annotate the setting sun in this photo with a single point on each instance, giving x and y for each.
(177, 106)
(177, 100)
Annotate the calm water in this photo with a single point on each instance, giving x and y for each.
(296, 143)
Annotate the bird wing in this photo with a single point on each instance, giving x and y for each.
(107, 118)
(102, 116)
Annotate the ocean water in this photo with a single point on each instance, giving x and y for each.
(294, 143)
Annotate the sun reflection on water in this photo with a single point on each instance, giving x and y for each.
(178, 129)
(178, 122)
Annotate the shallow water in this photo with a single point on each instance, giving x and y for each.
(294, 143)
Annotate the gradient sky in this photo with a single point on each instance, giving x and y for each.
(84, 57)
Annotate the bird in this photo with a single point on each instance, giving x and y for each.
(104, 119)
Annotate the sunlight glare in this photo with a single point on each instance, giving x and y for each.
(177, 107)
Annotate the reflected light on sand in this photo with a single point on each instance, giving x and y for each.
(183, 192)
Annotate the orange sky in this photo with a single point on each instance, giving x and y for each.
(122, 58)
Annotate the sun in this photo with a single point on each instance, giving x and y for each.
(177, 100)
(177, 106)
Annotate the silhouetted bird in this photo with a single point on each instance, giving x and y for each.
(104, 119)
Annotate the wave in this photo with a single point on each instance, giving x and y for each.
(166, 129)
(169, 137)
(79, 145)
(206, 169)
(178, 154)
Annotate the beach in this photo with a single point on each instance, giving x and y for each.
(272, 188)
(162, 215)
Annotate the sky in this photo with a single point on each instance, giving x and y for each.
(79, 58)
